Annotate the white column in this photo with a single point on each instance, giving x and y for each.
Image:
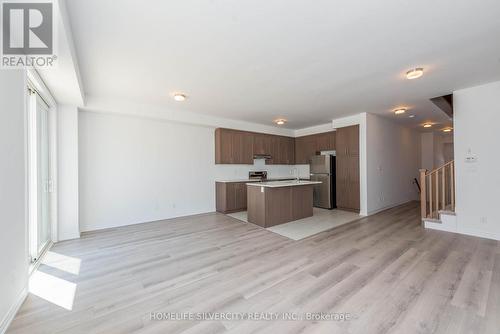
(67, 169)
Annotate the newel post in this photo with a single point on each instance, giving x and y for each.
(423, 193)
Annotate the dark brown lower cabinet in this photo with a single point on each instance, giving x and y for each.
(270, 206)
(230, 196)
(347, 168)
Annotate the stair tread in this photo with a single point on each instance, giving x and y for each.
(432, 220)
(447, 212)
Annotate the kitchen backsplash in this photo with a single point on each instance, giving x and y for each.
(230, 172)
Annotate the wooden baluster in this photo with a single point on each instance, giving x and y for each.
(430, 195)
(443, 194)
(452, 185)
(437, 192)
(423, 194)
(440, 192)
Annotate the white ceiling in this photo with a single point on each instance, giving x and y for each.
(63, 80)
(307, 61)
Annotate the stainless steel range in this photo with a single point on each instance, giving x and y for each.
(257, 175)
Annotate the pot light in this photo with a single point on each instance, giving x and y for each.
(415, 73)
(427, 125)
(179, 97)
(399, 111)
(447, 130)
(280, 121)
(411, 116)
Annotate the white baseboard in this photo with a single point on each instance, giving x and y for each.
(464, 231)
(372, 212)
(478, 233)
(439, 227)
(449, 223)
(13, 311)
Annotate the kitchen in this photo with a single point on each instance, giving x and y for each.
(324, 178)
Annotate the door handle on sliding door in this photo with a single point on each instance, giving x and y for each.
(50, 186)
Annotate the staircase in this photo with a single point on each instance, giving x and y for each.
(437, 198)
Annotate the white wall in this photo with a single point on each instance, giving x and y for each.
(433, 149)
(314, 130)
(440, 140)
(427, 151)
(153, 111)
(67, 180)
(135, 169)
(476, 119)
(393, 161)
(14, 260)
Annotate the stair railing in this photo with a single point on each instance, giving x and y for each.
(437, 190)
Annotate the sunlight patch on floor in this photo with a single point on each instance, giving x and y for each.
(62, 262)
(53, 289)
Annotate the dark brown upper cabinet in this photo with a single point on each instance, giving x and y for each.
(325, 141)
(274, 150)
(233, 147)
(287, 150)
(308, 146)
(282, 151)
(262, 144)
(239, 147)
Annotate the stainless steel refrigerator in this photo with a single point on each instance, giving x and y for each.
(322, 168)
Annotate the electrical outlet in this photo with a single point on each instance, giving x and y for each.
(484, 220)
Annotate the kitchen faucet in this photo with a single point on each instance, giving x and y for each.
(296, 171)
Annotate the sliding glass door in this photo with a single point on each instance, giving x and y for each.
(40, 183)
(44, 182)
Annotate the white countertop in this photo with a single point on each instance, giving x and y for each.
(277, 184)
(249, 180)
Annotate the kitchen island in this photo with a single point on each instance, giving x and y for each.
(279, 202)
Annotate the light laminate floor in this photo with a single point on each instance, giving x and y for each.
(386, 271)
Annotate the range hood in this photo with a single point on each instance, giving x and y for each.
(262, 156)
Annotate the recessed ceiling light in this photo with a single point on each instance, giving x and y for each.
(415, 73)
(179, 97)
(427, 125)
(447, 130)
(280, 121)
(411, 116)
(399, 111)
